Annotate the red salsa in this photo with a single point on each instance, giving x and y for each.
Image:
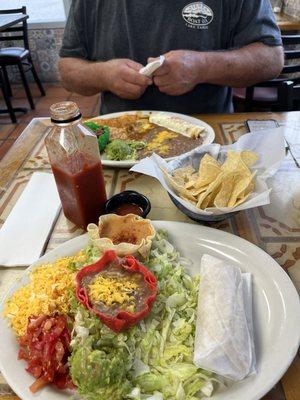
(46, 348)
(81, 188)
(128, 208)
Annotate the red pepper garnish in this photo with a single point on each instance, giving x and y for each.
(123, 320)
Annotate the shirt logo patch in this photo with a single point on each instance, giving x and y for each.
(197, 15)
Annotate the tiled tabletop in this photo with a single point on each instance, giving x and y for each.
(275, 228)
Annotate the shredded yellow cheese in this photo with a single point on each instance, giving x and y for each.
(48, 291)
(145, 127)
(159, 139)
(110, 290)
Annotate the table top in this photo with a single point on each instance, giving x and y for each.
(275, 228)
(287, 23)
(8, 20)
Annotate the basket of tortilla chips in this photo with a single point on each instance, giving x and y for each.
(212, 182)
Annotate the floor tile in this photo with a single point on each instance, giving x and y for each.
(19, 91)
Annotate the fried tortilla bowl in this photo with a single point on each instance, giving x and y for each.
(125, 234)
(216, 185)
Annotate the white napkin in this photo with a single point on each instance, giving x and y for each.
(26, 229)
(224, 332)
(150, 68)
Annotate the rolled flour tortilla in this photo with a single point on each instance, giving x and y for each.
(224, 333)
(177, 125)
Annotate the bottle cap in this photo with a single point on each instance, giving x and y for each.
(64, 112)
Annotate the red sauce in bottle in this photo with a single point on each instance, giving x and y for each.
(81, 188)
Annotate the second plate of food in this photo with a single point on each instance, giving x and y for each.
(134, 135)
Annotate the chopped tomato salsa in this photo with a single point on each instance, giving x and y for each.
(46, 348)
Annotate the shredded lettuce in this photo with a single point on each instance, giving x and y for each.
(153, 360)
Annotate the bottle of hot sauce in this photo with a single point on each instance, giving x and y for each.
(75, 160)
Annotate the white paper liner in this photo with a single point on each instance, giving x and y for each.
(268, 144)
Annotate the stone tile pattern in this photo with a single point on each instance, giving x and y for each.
(44, 46)
(289, 7)
(292, 8)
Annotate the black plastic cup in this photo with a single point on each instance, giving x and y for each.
(128, 197)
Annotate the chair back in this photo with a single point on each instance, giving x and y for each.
(18, 32)
(284, 83)
(288, 95)
(291, 54)
(1, 78)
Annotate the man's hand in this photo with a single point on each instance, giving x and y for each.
(122, 77)
(179, 73)
(182, 70)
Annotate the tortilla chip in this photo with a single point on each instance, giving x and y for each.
(249, 157)
(192, 182)
(210, 199)
(197, 192)
(194, 202)
(207, 158)
(222, 198)
(250, 188)
(176, 184)
(209, 172)
(234, 161)
(209, 169)
(206, 201)
(242, 200)
(179, 180)
(178, 187)
(184, 172)
(210, 192)
(241, 184)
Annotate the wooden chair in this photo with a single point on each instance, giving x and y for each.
(6, 96)
(19, 56)
(265, 94)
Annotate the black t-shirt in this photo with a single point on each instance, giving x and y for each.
(137, 29)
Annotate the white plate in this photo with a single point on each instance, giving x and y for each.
(208, 136)
(275, 304)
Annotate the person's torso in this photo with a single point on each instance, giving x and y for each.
(138, 29)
